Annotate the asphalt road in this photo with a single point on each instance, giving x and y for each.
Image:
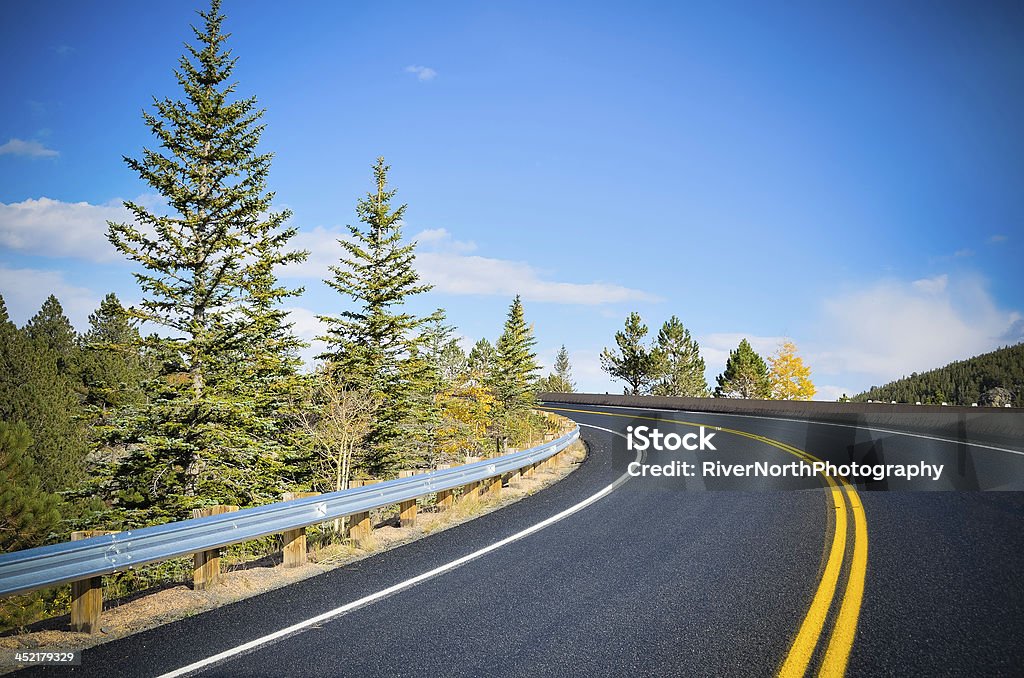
(660, 577)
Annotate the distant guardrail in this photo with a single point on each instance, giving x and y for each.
(109, 553)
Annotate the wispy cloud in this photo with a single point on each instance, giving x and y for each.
(32, 149)
(445, 262)
(893, 328)
(25, 289)
(997, 238)
(60, 229)
(422, 73)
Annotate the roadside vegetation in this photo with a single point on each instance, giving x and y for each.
(993, 379)
(197, 395)
(671, 365)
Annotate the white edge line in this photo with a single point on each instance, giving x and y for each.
(365, 600)
(805, 421)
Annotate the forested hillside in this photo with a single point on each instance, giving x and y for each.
(995, 378)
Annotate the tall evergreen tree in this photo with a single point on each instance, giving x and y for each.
(559, 380)
(112, 369)
(680, 368)
(35, 392)
(512, 379)
(52, 331)
(28, 513)
(745, 375)
(200, 439)
(515, 362)
(374, 345)
(480, 362)
(632, 363)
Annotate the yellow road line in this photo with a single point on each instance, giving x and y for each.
(844, 631)
(799, 655)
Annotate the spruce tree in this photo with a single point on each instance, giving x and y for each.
(51, 330)
(632, 362)
(745, 375)
(112, 369)
(560, 379)
(34, 391)
(208, 279)
(680, 368)
(513, 377)
(374, 343)
(515, 362)
(480, 362)
(28, 513)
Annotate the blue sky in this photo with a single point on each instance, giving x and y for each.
(849, 177)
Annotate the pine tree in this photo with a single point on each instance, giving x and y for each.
(680, 368)
(632, 363)
(790, 378)
(374, 345)
(480, 362)
(52, 331)
(28, 513)
(33, 391)
(208, 279)
(515, 362)
(560, 379)
(745, 376)
(112, 370)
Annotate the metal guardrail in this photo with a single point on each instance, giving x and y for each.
(47, 566)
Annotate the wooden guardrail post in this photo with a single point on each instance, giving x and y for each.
(445, 498)
(87, 594)
(360, 529)
(495, 486)
(206, 564)
(294, 548)
(471, 491)
(407, 508)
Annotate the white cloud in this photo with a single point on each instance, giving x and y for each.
(997, 238)
(933, 285)
(894, 328)
(443, 262)
(422, 73)
(439, 239)
(63, 229)
(453, 273)
(25, 289)
(32, 149)
(830, 393)
(324, 252)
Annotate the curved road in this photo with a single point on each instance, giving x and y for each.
(646, 577)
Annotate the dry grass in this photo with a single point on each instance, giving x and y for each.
(124, 617)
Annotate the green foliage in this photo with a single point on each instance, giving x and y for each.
(745, 376)
(512, 378)
(560, 379)
(515, 362)
(52, 332)
(36, 388)
(111, 368)
(375, 344)
(28, 513)
(679, 368)
(632, 362)
(482, 359)
(962, 382)
(208, 429)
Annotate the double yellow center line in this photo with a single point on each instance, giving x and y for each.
(845, 501)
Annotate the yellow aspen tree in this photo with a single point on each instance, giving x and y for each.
(790, 378)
